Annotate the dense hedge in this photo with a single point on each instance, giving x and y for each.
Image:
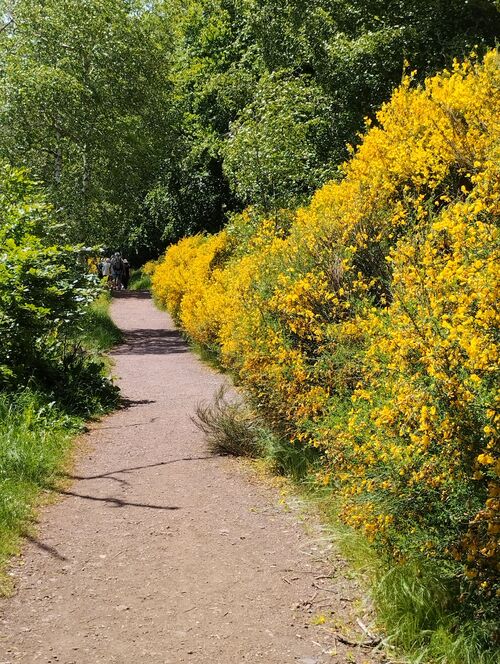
(45, 292)
(366, 324)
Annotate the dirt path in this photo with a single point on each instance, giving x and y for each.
(162, 554)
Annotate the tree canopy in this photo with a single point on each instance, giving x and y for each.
(146, 121)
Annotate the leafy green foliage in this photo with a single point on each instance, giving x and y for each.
(82, 103)
(355, 49)
(273, 153)
(45, 293)
(44, 287)
(139, 281)
(147, 121)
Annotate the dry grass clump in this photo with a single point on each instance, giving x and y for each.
(230, 427)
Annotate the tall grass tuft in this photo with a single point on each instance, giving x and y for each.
(418, 607)
(230, 427)
(415, 601)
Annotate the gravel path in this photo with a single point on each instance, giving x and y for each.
(160, 553)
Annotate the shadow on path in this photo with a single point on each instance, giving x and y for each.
(132, 295)
(130, 403)
(152, 342)
(133, 424)
(115, 502)
(45, 547)
(110, 473)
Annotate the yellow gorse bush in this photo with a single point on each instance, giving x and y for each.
(367, 326)
(149, 267)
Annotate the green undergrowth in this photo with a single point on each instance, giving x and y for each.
(415, 601)
(139, 281)
(35, 438)
(98, 333)
(206, 355)
(39, 422)
(78, 379)
(416, 605)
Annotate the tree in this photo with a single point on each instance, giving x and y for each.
(213, 75)
(273, 152)
(83, 103)
(355, 49)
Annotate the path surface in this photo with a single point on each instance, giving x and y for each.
(160, 553)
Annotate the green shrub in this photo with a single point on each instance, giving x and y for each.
(45, 286)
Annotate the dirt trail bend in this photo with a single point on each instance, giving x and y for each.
(160, 553)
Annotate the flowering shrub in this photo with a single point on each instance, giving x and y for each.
(149, 267)
(368, 327)
(419, 450)
(171, 277)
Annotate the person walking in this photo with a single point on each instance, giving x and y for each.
(117, 271)
(126, 273)
(106, 269)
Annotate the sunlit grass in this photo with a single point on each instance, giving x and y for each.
(35, 438)
(37, 429)
(139, 281)
(416, 604)
(97, 332)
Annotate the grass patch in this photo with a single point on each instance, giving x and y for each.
(206, 355)
(98, 333)
(287, 459)
(139, 281)
(416, 602)
(35, 437)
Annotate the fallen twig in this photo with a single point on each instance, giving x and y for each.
(375, 639)
(355, 644)
(191, 609)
